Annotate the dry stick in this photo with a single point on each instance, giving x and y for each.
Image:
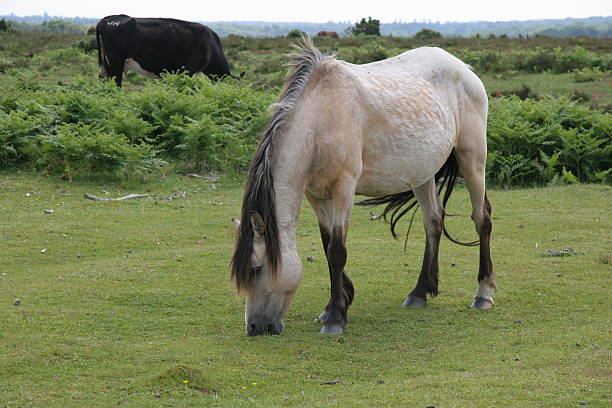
(127, 197)
(178, 195)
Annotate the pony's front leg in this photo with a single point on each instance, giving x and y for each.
(333, 215)
(348, 291)
(337, 308)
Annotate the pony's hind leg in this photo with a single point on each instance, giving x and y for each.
(334, 215)
(471, 160)
(483, 298)
(433, 219)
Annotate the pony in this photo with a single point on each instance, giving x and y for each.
(397, 130)
(331, 34)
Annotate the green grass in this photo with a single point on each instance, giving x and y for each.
(131, 305)
(598, 93)
(47, 59)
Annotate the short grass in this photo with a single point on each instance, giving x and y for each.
(130, 305)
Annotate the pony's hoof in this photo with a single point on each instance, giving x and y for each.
(413, 301)
(332, 329)
(481, 303)
(322, 317)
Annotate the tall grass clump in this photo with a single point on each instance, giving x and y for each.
(546, 142)
(81, 150)
(210, 126)
(90, 128)
(539, 59)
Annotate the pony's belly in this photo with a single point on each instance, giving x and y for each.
(380, 182)
(396, 173)
(371, 188)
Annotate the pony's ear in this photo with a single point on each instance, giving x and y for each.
(236, 222)
(259, 227)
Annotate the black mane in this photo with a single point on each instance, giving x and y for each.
(259, 195)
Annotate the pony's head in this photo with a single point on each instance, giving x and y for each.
(268, 277)
(266, 265)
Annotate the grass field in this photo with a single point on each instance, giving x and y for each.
(130, 305)
(597, 93)
(46, 59)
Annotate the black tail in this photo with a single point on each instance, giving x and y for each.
(99, 44)
(400, 203)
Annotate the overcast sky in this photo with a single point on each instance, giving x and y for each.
(317, 10)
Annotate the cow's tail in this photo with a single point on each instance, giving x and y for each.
(100, 45)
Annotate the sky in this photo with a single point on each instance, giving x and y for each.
(317, 10)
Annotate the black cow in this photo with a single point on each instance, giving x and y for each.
(151, 46)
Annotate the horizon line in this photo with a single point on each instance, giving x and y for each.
(329, 21)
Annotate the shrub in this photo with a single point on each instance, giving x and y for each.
(371, 52)
(589, 74)
(536, 142)
(426, 34)
(91, 128)
(87, 44)
(19, 136)
(179, 106)
(296, 34)
(75, 149)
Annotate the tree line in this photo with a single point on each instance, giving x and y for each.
(593, 27)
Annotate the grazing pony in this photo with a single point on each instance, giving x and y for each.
(331, 34)
(393, 130)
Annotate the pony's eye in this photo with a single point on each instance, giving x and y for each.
(255, 270)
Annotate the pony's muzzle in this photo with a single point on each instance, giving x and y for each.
(264, 326)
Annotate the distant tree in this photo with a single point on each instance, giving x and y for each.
(427, 34)
(296, 34)
(61, 26)
(365, 27)
(4, 25)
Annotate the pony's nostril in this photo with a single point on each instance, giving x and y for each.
(255, 329)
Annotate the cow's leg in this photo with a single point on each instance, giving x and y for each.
(115, 68)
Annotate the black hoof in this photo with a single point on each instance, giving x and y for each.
(332, 329)
(481, 303)
(413, 301)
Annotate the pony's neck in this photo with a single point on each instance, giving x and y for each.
(290, 174)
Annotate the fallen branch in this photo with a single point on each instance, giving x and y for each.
(177, 195)
(127, 197)
(560, 252)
